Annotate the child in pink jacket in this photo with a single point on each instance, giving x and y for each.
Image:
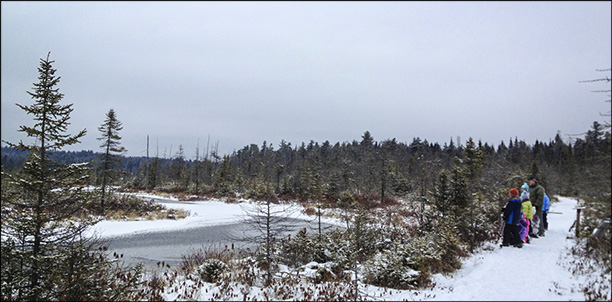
(523, 232)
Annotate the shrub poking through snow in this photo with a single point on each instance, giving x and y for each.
(322, 272)
(390, 269)
(211, 270)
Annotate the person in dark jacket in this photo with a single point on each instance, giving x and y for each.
(512, 217)
(536, 194)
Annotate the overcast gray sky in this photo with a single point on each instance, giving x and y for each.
(248, 72)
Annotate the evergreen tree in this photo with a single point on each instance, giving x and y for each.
(534, 171)
(239, 181)
(44, 253)
(460, 197)
(153, 171)
(317, 195)
(442, 194)
(474, 160)
(223, 181)
(197, 167)
(110, 138)
(178, 170)
(452, 200)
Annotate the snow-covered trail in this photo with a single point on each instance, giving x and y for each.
(533, 273)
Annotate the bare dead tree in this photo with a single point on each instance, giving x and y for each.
(603, 79)
(268, 221)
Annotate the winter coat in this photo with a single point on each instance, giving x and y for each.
(536, 194)
(524, 228)
(527, 208)
(546, 205)
(512, 212)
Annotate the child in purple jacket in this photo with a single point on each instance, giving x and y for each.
(524, 229)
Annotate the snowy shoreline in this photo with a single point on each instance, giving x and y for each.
(202, 213)
(537, 272)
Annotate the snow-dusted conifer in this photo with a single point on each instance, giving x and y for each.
(110, 138)
(44, 196)
(45, 255)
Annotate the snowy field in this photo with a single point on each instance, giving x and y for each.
(537, 272)
(202, 213)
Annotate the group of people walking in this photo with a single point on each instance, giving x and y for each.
(525, 214)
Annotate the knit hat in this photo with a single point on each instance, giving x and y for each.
(514, 192)
(534, 179)
(524, 195)
(525, 187)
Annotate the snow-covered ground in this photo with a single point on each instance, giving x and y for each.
(202, 213)
(534, 273)
(537, 272)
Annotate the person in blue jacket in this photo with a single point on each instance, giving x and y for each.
(512, 216)
(545, 208)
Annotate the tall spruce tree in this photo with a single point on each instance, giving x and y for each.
(110, 138)
(43, 196)
(45, 255)
(442, 194)
(178, 170)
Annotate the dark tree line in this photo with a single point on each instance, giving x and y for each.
(374, 171)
